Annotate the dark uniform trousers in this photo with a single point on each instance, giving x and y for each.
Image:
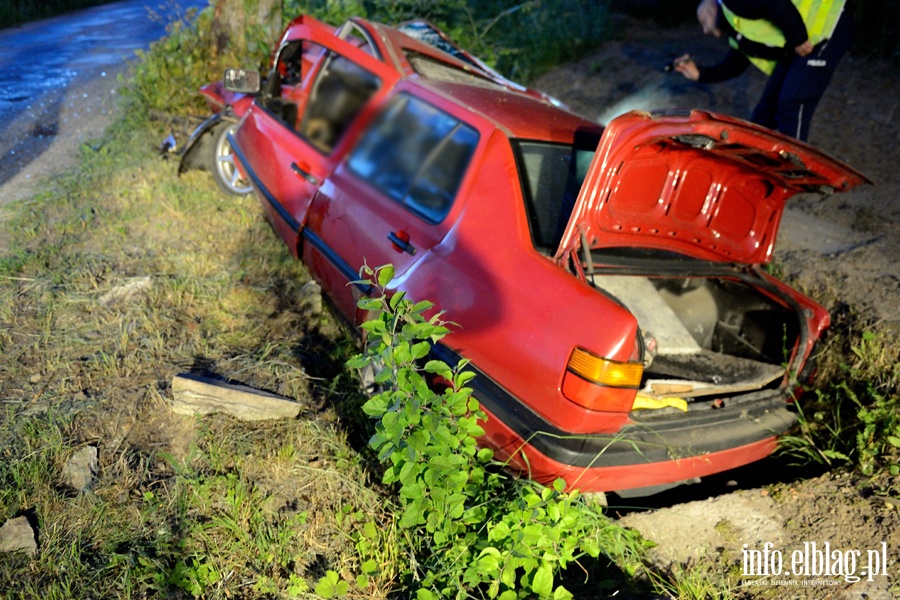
(798, 83)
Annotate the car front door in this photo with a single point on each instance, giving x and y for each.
(302, 123)
(392, 199)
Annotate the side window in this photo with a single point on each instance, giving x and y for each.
(416, 154)
(552, 175)
(340, 90)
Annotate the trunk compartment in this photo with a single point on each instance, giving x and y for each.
(707, 336)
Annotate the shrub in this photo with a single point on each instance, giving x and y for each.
(469, 530)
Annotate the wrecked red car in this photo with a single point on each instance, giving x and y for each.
(608, 283)
(208, 147)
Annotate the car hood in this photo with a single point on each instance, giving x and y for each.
(704, 185)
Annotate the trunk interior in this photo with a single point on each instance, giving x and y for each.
(706, 337)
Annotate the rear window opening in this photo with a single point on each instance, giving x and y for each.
(551, 176)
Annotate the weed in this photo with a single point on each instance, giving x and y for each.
(693, 582)
(469, 530)
(820, 440)
(855, 415)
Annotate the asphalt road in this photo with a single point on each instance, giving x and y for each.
(58, 80)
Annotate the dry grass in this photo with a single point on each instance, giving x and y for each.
(124, 277)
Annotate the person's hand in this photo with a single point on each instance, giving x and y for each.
(686, 66)
(707, 15)
(804, 49)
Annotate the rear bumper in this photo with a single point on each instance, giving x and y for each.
(655, 453)
(621, 465)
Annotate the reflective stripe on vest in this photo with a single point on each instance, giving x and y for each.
(820, 17)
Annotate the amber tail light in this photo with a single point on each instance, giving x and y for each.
(598, 383)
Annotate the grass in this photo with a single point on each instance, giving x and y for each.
(182, 506)
(853, 414)
(703, 581)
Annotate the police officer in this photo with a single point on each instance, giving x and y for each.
(798, 43)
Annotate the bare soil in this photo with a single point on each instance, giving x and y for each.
(46, 138)
(842, 250)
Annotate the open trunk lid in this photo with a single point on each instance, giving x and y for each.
(703, 185)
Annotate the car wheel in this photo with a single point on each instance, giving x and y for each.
(221, 162)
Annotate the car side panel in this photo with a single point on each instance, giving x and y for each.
(267, 150)
(352, 223)
(519, 314)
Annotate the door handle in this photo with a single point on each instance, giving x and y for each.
(304, 173)
(400, 242)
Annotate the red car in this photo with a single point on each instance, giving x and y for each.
(607, 283)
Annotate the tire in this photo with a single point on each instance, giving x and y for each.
(220, 162)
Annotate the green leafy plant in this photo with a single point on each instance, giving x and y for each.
(332, 586)
(854, 417)
(878, 406)
(469, 530)
(819, 438)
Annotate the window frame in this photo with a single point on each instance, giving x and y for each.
(397, 105)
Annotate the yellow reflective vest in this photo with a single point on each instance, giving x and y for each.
(820, 17)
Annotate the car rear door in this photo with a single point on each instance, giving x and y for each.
(393, 199)
(301, 125)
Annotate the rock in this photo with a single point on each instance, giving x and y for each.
(311, 297)
(126, 291)
(16, 535)
(195, 394)
(81, 470)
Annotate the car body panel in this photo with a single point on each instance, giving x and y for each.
(631, 456)
(705, 185)
(487, 277)
(217, 98)
(224, 106)
(522, 311)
